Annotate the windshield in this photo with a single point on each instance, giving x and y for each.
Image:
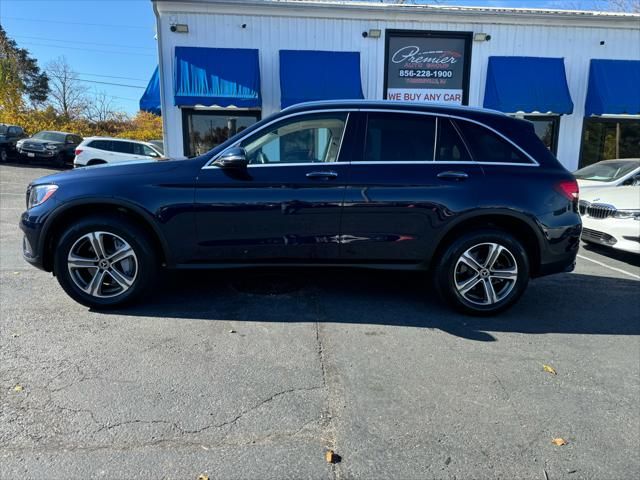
(3, 129)
(606, 171)
(51, 136)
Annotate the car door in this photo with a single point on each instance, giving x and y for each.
(285, 205)
(413, 173)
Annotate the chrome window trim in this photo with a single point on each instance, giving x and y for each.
(435, 139)
(534, 163)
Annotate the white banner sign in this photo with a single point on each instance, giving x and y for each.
(425, 95)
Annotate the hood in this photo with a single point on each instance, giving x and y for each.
(42, 141)
(591, 184)
(142, 167)
(622, 198)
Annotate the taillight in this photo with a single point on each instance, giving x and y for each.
(570, 189)
(78, 151)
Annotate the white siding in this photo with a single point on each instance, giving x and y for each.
(212, 26)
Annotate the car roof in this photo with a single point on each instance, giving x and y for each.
(116, 139)
(392, 105)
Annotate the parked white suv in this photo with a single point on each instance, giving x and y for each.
(611, 217)
(96, 150)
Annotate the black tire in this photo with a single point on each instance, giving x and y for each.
(137, 239)
(60, 160)
(4, 155)
(451, 267)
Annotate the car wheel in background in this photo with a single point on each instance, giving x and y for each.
(60, 160)
(4, 155)
(483, 272)
(105, 261)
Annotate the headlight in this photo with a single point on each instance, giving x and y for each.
(635, 214)
(50, 146)
(39, 194)
(19, 143)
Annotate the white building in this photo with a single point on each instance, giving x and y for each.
(534, 63)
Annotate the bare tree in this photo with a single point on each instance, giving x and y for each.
(100, 108)
(67, 96)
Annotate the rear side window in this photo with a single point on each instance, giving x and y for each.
(395, 137)
(450, 147)
(123, 147)
(101, 144)
(487, 146)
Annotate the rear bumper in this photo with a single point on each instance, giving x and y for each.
(560, 248)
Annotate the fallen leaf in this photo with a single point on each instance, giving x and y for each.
(18, 388)
(203, 477)
(559, 441)
(16, 273)
(549, 369)
(332, 457)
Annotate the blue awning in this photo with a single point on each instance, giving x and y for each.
(614, 87)
(150, 100)
(527, 84)
(217, 77)
(308, 75)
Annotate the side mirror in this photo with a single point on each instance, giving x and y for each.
(235, 157)
(636, 181)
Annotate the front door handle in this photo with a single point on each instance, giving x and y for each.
(329, 174)
(457, 176)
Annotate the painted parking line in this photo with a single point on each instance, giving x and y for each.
(619, 270)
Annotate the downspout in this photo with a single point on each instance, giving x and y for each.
(163, 106)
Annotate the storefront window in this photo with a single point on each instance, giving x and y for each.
(546, 127)
(609, 138)
(203, 130)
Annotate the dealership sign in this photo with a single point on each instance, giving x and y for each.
(427, 67)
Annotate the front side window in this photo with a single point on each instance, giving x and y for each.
(50, 136)
(101, 145)
(302, 139)
(123, 147)
(486, 146)
(398, 137)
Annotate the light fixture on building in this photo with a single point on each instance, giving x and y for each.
(481, 37)
(179, 28)
(372, 33)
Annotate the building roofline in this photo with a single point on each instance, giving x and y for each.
(415, 8)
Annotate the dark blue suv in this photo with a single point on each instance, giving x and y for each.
(472, 195)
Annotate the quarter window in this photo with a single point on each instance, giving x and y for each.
(450, 147)
(309, 139)
(399, 138)
(486, 146)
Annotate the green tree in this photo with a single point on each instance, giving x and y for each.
(34, 84)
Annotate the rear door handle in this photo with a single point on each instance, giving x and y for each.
(329, 174)
(457, 176)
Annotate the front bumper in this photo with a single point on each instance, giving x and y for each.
(40, 154)
(621, 234)
(31, 246)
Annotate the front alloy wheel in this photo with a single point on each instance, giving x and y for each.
(105, 261)
(102, 264)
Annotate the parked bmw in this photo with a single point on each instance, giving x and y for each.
(52, 147)
(609, 173)
(471, 195)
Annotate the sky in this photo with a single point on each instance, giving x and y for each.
(112, 41)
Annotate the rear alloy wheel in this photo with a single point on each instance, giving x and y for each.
(483, 273)
(105, 261)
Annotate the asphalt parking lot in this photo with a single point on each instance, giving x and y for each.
(255, 374)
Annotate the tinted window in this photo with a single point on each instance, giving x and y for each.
(399, 137)
(123, 147)
(486, 146)
(101, 144)
(312, 138)
(13, 131)
(205, 130)
(450, 147)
